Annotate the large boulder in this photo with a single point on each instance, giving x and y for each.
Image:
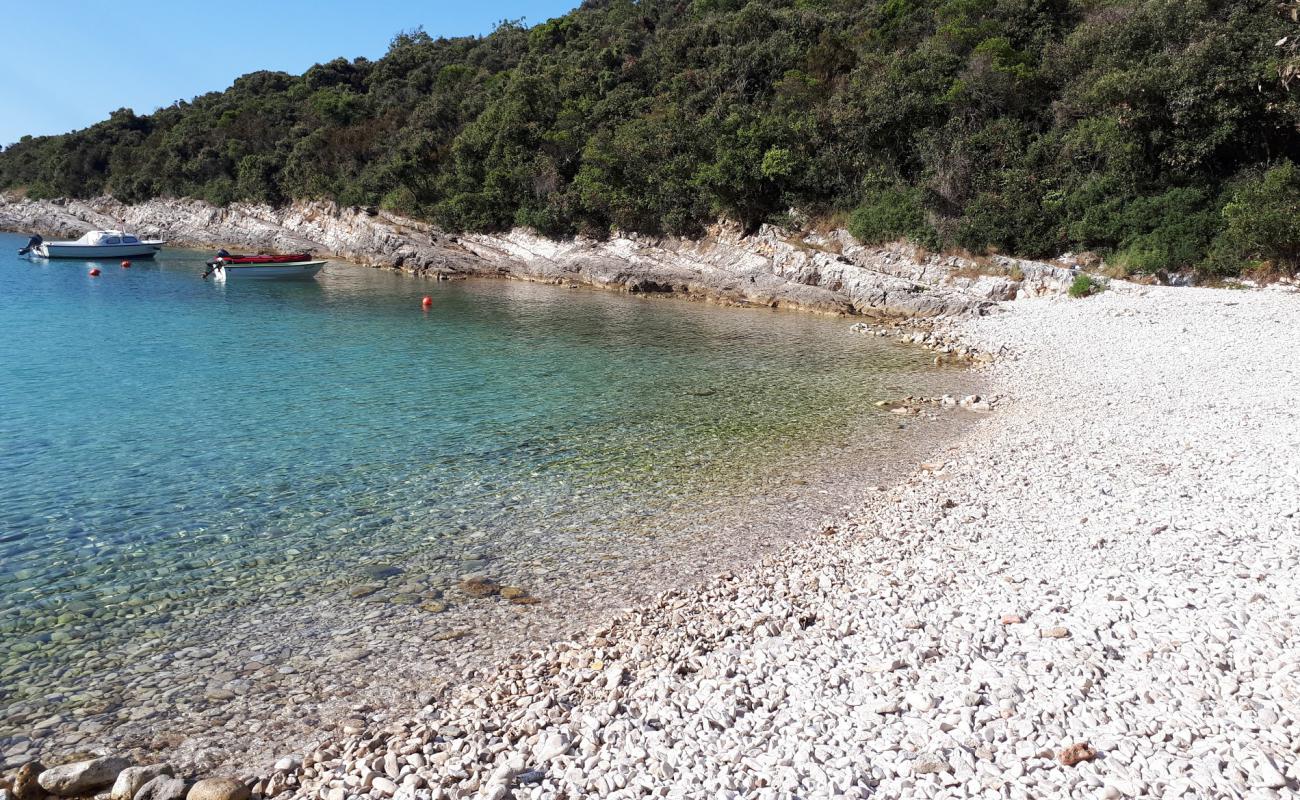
(82, 777)
(218, 789)
(131, 779)
(163, 787)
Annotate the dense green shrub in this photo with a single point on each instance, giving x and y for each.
(1261, 222)
(1153, 132)
(1085, 285)
(893, 213)
(1167, 232)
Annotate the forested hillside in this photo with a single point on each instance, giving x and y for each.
(1158, 132)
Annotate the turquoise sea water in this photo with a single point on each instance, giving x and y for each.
(170, 444)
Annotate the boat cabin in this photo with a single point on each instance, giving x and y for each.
(106, 238)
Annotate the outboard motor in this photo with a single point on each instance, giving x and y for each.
(216, 262)
(32, 244)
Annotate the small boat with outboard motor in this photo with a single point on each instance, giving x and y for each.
(95, 244)
(291, 266)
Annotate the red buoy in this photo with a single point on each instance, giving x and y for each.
(94, 272)
(126, 265)
(427, 301)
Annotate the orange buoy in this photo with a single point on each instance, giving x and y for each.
(126, 265)
(427, 301)
(94, 272)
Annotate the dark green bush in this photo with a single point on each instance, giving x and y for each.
(1167, 232)
(894, 213)
(1261, 223)
(1009, 217)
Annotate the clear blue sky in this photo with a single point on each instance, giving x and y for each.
(66, 64)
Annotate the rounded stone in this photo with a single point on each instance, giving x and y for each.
(163, 787)
(218, 789)
(82, 777)
(479, 587)
(130, 780)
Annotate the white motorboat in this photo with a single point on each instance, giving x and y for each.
(96, 244)
(295, 266)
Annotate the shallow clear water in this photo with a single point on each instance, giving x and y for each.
(170, 444)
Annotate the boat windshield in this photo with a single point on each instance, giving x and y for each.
(104, 237)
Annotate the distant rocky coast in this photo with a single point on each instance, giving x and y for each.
(824, 272)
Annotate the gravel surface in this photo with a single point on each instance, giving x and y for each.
(1093, 595)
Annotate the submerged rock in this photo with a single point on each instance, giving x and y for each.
(350, 654)
(479, 587)
(379, 572)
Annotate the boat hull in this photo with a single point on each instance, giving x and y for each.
(299, 270)
(91, 252)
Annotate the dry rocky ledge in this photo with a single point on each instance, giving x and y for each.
(820, 272)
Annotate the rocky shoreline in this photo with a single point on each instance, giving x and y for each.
(823, 272)
(1090, 595)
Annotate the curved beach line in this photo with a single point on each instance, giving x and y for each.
(1095, 593)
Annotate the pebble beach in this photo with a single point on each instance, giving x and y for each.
(1090, 593)
(180, 583)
